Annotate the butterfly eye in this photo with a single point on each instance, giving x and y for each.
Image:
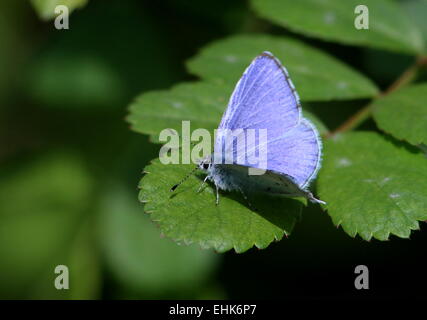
(206, 166)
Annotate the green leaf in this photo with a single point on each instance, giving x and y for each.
(334, 20)
(316, 75)
(403, 114)
(191, 217)
(374, 186)
(199, 102)
(140, 260)
(46, 8)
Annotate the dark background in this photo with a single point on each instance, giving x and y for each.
(64, 95)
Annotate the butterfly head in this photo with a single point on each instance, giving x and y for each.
(205, 164)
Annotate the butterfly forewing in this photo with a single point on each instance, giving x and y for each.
(265, 99)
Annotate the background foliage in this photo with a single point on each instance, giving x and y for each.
(70, 166)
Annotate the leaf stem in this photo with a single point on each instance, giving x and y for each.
(365, 113)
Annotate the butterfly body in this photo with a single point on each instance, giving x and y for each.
(228, 177)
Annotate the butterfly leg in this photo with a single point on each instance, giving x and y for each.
(217, 194)
(203, 183)
(247, 200)
(313, 199)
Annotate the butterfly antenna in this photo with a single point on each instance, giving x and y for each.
(185, 178)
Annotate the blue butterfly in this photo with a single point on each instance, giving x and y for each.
(265, 98)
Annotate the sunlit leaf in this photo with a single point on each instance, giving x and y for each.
(198, 102)
(374, 186)
(316, 75)
(334, 20)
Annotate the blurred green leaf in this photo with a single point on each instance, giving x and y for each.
(188, 216)
(403, 114)
(141, 260)
(77, 69)
(84, 264)
(373, 186)
(42, 204)
(333, 20)
(16, 46)
(316, 75)
(417, 11)
(46, 8)
(384, 67)
(56, 78)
